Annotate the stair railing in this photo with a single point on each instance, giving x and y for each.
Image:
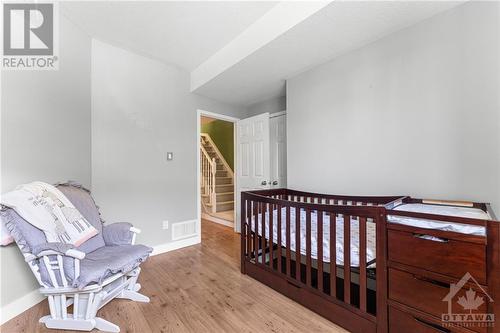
(208, 170)
(206, 138)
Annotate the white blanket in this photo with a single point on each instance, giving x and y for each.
(48, 209)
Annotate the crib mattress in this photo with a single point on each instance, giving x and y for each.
(370, 235)
(473, 213)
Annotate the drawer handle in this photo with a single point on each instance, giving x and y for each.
(428, 280)
(432, 325)
(431, 238)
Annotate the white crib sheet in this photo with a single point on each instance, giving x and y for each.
(467, 212)
(370, 235)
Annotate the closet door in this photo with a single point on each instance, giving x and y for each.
(277, 126)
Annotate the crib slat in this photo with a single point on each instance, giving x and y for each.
(320, 250)
(362, 263)
(297, 244)
(278, 209)
(308, 247)
(271, 236)
(263, 207)
(333, 254)
(347, 259)
(248, 228)
(288, 243)
(256, 231)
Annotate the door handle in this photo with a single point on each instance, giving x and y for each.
(263, 183)
(275, 182)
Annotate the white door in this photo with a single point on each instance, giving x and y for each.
(253, 172)
(278, 151)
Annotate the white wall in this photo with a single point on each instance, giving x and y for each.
(272, 105)
(142, 109)
(45, 136)
(413, 113)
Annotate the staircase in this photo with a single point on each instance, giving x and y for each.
(217, 185)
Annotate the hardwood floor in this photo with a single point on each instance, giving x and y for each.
(198, 289)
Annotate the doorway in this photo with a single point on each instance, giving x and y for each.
(216, 168)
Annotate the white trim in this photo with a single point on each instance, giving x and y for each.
(217, 116)
(234, 120)
(163, 248)
(20, 305)
(217, 220)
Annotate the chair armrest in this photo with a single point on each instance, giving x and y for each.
(48, 249)
(119, 233)
(135, 230)
(57, 269)
(72, 253)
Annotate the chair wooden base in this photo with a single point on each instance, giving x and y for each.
(79, 324)
(88, 301)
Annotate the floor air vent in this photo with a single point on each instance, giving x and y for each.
(182, 230)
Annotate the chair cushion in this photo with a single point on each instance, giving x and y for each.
(99, 264)
(108, 260)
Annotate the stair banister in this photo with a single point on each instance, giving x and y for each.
(207, 137)
(214, 196)
(209, 168)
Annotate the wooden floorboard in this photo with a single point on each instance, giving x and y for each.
(198, 289)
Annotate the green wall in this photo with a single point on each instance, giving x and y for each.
(221, 133)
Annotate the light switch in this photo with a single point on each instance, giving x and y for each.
(170, 156)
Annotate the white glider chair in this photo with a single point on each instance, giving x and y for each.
(89, 276)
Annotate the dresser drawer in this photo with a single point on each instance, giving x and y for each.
(427, 295)
(449, 257)
(406, 322)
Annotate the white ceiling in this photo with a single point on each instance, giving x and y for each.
(190, 34)
(183, 33)
(333, 31)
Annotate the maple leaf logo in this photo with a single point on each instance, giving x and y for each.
(470, 301)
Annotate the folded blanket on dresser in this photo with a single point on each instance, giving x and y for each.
(48, 209)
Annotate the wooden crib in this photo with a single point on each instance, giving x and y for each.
(283, 245)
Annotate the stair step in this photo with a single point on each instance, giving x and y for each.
(225, 196)
(221, 173)
(223, 206)
(224, 188)
(223, 180)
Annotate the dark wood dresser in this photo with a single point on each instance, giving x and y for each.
(425, 269)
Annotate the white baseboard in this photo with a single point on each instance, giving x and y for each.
(14, 308)
(179, 244)
(211, 218)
